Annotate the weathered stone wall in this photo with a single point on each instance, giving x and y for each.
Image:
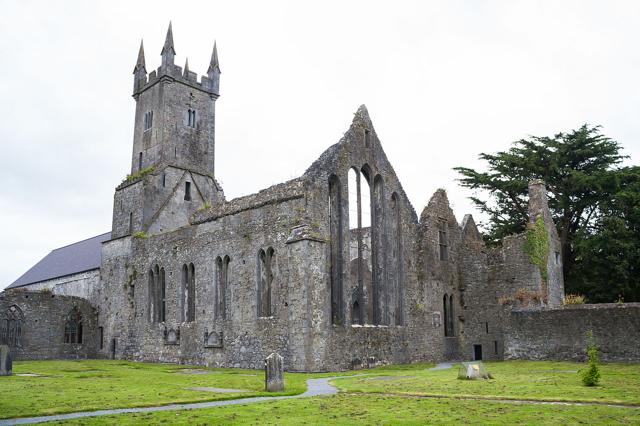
(78, 285)
(559, 333)
(43, 325)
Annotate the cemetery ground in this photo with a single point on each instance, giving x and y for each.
(397, 394)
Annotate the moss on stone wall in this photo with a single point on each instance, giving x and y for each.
(137, 175)
(537, 246)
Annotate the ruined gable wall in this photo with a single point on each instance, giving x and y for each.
(439, 275)
(399, 332)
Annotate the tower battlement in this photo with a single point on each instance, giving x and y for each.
(168, 70)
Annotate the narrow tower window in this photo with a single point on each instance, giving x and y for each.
(191, 118)
(187, 191)
(140, 161)
(147, 120)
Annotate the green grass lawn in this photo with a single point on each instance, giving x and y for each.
(67, 386)
(539, 380)
(376, 410)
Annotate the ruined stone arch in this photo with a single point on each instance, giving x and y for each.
(11, 327)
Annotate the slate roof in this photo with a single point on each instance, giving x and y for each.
(78, 257)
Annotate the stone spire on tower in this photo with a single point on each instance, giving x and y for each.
(140, 65)
(139, 71)
(168, 51)
(214, 70)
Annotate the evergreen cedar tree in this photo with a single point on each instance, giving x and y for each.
(594, 201)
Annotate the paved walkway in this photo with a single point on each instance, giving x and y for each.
(315, 387)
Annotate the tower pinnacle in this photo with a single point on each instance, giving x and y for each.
(168, 51)
(186, 68)
(214, 65)
(140, 64)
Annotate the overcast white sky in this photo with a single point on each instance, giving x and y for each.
(443, 81)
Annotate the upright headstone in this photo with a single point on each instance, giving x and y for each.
(5, 361)
(273, 373)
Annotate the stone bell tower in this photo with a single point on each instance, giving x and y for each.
(173, 157)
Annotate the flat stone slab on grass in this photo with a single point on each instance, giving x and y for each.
(218, 390)
(196, 371)
(28, 375)
(390, 377)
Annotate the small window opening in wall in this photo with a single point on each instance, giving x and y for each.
(175, 152)
(187, 191)
(164, 180)
(139, 161)
(495, 347)
(148, 120)
(557, 258)
(130, 223)
(101, 337)
(486, 327)
(367, 137)
(442, 240)
(191, 118)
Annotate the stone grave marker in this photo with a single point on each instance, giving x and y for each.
(274, 373)
(5, 361)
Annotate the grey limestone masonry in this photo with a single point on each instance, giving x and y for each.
(332, 270)
(42, 325)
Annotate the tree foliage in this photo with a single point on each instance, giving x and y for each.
(590, 198)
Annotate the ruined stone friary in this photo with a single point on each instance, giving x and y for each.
(332, 270)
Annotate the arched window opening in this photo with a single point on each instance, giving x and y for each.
(11, 327)
(188, 293)
(445, 314)
(224, 286)
(191, 305)
(395, 243)
(162, 301)
(451, 323)
(380, 293)
(151, 296)
(335, 224)
(265, 280)
(360, 258)
(73, 327)
(354, 200)
(218, 288)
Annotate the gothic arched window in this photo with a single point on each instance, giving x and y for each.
(11, 327)
(73, 327)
